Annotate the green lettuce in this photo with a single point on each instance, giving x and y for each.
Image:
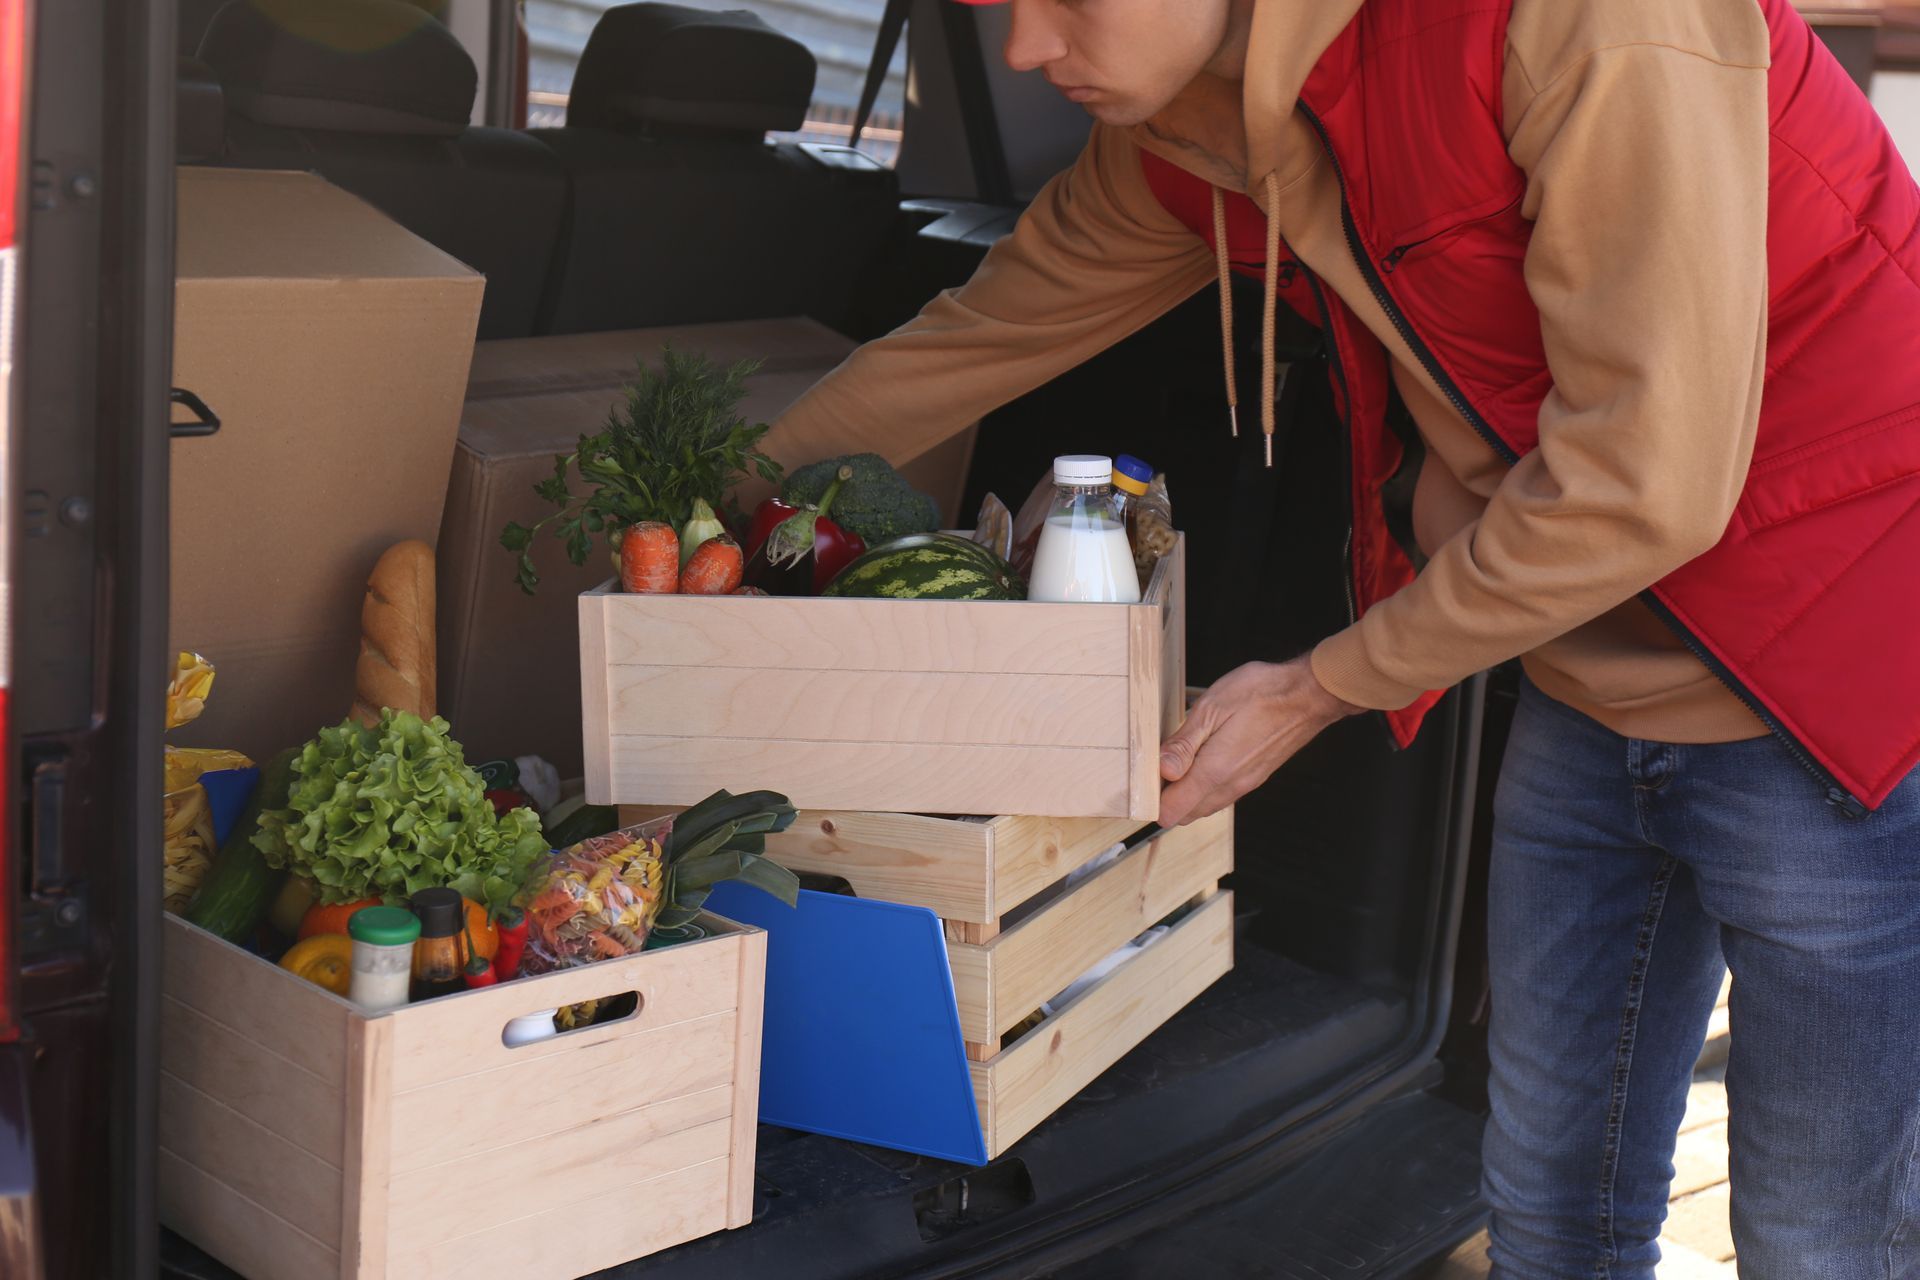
(393, 809)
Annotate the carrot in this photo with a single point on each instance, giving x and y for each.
(650, 558)
(714, 569)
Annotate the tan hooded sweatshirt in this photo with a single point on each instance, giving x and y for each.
(1642, 128)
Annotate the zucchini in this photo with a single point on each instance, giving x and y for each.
(240, 886)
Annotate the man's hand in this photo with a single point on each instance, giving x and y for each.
(1242, 729)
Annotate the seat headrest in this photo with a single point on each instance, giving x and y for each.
(669, 69)
(353, 66)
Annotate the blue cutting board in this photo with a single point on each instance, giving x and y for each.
(862, 1038)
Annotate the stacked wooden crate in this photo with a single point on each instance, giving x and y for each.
(874, 714)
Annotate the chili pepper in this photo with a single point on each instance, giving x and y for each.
(784, 560)
(512, 925)
(478, 970)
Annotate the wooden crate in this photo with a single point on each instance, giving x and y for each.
(302, 1138)
(1011, 951)
(906, 706)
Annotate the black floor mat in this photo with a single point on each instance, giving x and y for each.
(1381, 1197)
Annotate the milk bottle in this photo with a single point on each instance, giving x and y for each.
(1083, 553)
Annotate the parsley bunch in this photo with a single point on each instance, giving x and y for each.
(678, 437)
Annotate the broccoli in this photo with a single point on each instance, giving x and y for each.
(878, 504)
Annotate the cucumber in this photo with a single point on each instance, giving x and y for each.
(240, 886)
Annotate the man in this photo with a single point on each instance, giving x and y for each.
(1647, 275)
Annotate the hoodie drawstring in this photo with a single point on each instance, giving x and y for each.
(1269, 303)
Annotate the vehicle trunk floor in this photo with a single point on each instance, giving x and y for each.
(1258, 1039)
(1379, 1199)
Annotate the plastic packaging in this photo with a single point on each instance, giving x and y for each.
(595, 900)
(1148, 513)
(1083, 555)
(529, 1027)
(188, 845)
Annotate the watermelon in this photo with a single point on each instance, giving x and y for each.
(929, 566)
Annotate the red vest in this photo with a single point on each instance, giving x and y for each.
(1809, 606)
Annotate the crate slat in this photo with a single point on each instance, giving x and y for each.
(281, 1096)
(843, 775)
(590, 1233)
(297, 1186)
(236, 1230)
(289, 1018)
(953, 707)
(1001, 982)
(524, 1100)
(459, 1035)
(538, 1177)
(1040, 1072)
(748, 1038)
(1000, 637)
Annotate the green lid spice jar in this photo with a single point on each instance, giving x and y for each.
(383, 939)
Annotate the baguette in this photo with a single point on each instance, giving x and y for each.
(397, 666)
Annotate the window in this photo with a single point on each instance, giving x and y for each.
(839, 32)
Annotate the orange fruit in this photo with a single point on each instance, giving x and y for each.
(325, 959)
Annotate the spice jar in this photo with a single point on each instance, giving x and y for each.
(383, 939)
(437, 968)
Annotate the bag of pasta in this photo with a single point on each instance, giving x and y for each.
(189, 843)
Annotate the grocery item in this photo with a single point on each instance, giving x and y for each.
(929, 566)
(390, 810)
(650, 559)
(1028, 522)
(1083, 555)
(539, 780)
(798, 551)
(240, 887)
(331, 917)
(326, 960)
(876, 503)
(289, 905)
(701, 527)
(398, 649)
(529, 1027)
(1147, 513)
(438, 966)
(573, 820)
(383, 939)
(187, 846)
(483, 936)
(512, 928)
(597, 900)
(714, 570)
(679, 437)
(993, 527)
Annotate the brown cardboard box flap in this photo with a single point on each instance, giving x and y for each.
(334, 346)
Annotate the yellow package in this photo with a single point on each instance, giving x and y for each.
(189, 844)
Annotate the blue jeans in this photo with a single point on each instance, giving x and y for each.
(1623, 871)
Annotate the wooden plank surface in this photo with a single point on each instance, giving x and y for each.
(1042, 1070)
(459, 1035)
(1146, 650)
(862, 635)
(367, 1158)
(292, 1019)
(999, 983)
(1073, 781)
(523, 1100)
(293, 1185)
(607, 1222)
(549, 1174)
(235, 1229)
(870, 706)
(595, 692)
(286, 1098)
(744, 1138)
(1031, 853)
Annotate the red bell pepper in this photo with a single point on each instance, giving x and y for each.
(478, 970)
(779, 557)
(512, 927)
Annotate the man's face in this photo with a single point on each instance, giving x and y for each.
(1123, 60)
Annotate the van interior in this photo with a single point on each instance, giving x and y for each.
(1316, 1112)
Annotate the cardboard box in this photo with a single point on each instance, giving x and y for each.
(510, 663)
(333, 344)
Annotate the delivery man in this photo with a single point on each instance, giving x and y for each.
(1647, 275)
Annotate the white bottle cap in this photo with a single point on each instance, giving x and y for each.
(1083, 469)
